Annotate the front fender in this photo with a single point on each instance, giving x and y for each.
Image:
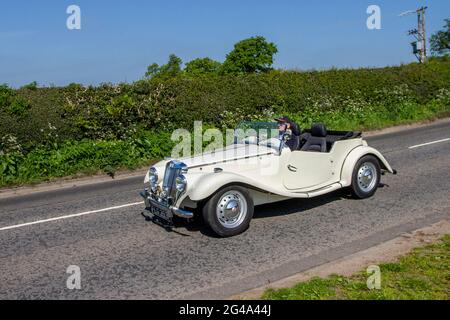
(202, 186)
(354, 156)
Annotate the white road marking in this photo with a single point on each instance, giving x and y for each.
(428, 143)
(70, 216)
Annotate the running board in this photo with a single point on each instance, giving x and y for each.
(327, 189)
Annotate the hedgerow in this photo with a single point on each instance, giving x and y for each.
(118, 111)
(57, 131)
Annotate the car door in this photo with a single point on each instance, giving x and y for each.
(308, 170)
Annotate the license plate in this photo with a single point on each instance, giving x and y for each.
(160, 211)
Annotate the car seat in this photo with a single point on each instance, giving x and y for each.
(316, 142)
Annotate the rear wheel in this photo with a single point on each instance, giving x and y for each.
(366, 177)
(229, 211)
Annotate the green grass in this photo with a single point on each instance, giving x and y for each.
(424, 274)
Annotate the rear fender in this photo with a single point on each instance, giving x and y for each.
(354, 156)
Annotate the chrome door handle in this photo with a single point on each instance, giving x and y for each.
(292, 168)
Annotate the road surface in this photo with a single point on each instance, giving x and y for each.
(121, 256)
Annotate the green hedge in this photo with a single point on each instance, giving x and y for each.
(54, 132)
(119, 111)
(86, 156)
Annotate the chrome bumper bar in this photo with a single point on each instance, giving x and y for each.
(149, 202)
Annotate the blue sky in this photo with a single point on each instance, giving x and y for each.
(119, 39)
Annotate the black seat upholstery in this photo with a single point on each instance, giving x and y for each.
(316, 142)
(294, 142)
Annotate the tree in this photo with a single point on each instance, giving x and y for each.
(250, 55)
(152, 70)
(31, 86)
(173, 67)
(202, 66)
(440, 41)
(169, 70)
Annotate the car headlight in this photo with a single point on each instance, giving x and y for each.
(153, 177)
(180, 183)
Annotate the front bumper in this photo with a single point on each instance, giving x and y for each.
(155, 206)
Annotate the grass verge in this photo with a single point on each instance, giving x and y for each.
(423, 274)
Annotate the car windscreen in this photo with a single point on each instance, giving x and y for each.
(258, 133)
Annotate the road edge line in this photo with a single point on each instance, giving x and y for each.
(69, 216)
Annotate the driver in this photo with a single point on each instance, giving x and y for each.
(286, 125)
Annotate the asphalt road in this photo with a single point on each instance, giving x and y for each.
(120, 255)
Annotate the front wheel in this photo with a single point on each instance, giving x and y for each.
(366, 177)
(229, 211)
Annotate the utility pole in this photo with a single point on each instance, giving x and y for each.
(422, 35)
(419, 46)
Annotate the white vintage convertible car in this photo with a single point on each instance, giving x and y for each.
(224, 185)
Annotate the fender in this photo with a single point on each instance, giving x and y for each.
(203, 186)
(354, 156)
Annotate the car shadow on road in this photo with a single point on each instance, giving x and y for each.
(282, 208)
(292, 206)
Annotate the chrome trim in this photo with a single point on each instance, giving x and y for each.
(230, 160)
(153, 179)
(182, 213)
(149, 201)
(231, 209)
(182, 183)
(169, 191)
(153, 172)
(367, 177)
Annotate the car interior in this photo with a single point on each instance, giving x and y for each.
(319, 139)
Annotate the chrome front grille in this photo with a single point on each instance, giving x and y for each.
(173, 169)
(169, 180)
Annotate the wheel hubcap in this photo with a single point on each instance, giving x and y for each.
(231, 209)
(367, 177)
